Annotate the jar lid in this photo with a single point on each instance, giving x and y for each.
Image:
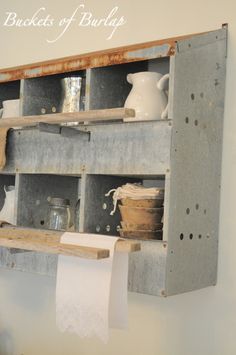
(57, 201)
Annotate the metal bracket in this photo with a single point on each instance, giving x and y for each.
(64, 131)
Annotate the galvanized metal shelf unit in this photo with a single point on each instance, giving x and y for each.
(182, 153)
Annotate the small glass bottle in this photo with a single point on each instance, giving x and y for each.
(59, 213)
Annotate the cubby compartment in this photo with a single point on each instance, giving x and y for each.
(98, 205)
(109, 86)
(9, 91)
(33, 206)
(44, 95)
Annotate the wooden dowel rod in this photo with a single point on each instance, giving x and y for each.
(82, 116)
(49, 242)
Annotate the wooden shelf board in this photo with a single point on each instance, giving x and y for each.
(57, 118)
(49, 242)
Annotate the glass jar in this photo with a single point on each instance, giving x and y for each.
(59, 213)
(72, 96)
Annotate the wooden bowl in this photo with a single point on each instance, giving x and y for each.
(135, 227)
(145, 235)
(146, 203)
(140, 215)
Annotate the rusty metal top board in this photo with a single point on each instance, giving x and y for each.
(131, 53)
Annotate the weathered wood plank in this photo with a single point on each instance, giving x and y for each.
(81, 116)
(49, 242)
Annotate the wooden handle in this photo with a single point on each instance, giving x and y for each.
(48, 241)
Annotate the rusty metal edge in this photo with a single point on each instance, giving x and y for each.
(125, 54)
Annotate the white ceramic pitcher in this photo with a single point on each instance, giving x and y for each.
(11, 108)
(7, 212)
(147, 97)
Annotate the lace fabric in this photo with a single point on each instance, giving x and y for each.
(91, 295)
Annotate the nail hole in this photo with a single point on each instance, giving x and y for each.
(98, 228)
(192, 96)
(196, 122)
(118, 228)
(54, 109)
(108, 228)
(189, 45)
(43, 110)
(19, 133)
(42, 222)
(191, 236)
(208, 236)
(205, 211)
(181, 236)
(199, 236)
(201, 95)
(197, 206)
(187, 210)
(172, 251)
(186, 119)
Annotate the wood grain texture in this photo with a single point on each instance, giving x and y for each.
(82, 116)
(49, 242)
(3, 141)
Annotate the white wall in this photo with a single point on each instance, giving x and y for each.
(201, 322)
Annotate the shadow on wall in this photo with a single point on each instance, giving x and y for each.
(6, 343)
(28, 292)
